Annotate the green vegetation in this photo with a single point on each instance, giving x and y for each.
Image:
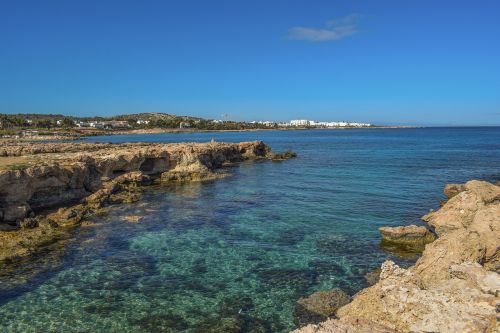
(59, 124)
(17, 166)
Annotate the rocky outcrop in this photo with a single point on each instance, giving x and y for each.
(319, 306)
(453, 287)
(468, 227)
(410, 238)
(84, 178)
(61, 178)
(283, 156)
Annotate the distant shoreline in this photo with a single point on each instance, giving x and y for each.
(187, 130)
(84, 133)
(91, 132)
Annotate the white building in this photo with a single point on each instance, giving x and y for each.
(265, 123)
(81, 124)
(96, 125)
(323, 124)
(142, 122)
(300, 122)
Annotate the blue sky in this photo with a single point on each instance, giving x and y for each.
(394, 62)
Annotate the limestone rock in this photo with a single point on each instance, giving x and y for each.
(67, 173)
(469, 229)
(346, 325)
(85, 177)
(459, 211)
(453, 287)
(283, 156)
(409, 238)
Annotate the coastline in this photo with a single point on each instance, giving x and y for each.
(398, 302)
(453, 287)
(59, 185)
(90, 132)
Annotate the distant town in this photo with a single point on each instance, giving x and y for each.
(29, 125)
(312, 123)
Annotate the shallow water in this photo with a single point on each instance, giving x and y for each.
(234, 255)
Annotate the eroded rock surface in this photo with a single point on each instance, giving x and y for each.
(453, 287)
(62, 177)
(83, 178)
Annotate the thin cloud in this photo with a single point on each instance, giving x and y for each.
(335, 29)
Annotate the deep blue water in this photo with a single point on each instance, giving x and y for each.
(235, 254)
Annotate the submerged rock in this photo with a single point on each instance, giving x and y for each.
(283, 156)
(300, 279)
(373, 276)
(132, 218)
(169, 323)
(319, 306)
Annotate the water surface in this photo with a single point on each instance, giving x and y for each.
(234, 255)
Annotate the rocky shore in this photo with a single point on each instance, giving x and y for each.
(47, 189)
(453, 287)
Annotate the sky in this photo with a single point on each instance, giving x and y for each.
(384, 62)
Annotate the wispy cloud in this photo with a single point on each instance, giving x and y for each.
(335, 29)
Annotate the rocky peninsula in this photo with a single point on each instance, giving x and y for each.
(48, 189)
(453, 287)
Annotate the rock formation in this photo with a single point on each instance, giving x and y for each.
(82, 178)
(283, 156)
(410, 238)
(59, 178)
(453, 287)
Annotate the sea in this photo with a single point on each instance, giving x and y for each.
(236, 254)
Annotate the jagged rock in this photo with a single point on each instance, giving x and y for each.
(70, 172)
(453, 287)
(400, 301)
(460, 210)
(468, 227)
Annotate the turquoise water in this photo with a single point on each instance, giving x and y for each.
(234, 255)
